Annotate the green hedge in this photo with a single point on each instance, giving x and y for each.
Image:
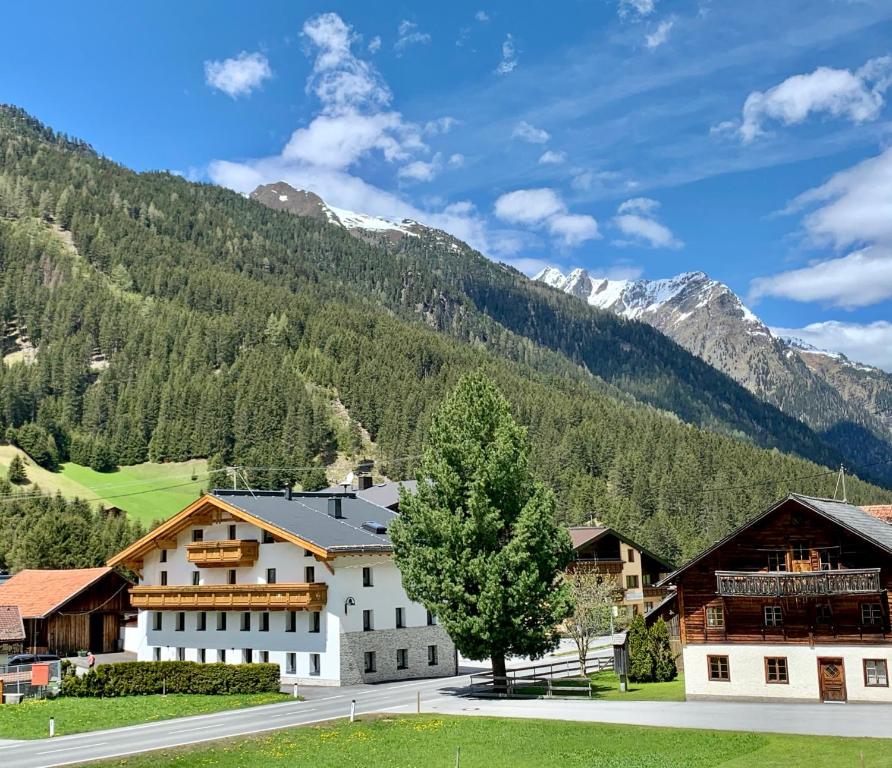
(139, 678)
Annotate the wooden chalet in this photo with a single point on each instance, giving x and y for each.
(792, 605)
(67, 611)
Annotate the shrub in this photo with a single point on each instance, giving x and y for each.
(641, 657)
(664, 660)
(140, 678)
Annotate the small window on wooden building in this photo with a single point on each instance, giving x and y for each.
(774, 616)
(823, 614)
(232, 533)
(871, 614)
(876, 673)
(715, 617)
(719, 668)
(777, 561)
(829, 559)
(776, 669)
(197, 534)
(268, 538)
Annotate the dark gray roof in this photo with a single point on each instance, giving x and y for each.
(306, 515)
(842, 513)
(382, 494)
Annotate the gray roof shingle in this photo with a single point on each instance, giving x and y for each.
(306, 515)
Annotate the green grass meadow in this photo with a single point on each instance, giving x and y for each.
(432, 742)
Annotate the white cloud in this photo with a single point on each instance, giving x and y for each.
(543, 207)
(856, 280)
(857, 96)
(526, 132)
(636, 219)
(440, 125)
(660, 35)
(550, 157)
(869, 343)
(239, 76)
(636, 8)
(408, 34)
(374, 44)
(481, 16)
(509, 56)
(456, 160)
(420, 170)
(853, 207)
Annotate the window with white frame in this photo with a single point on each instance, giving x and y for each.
(871, 614)
(315, 665)
(290, 663)
(876, 673)
(773, 615)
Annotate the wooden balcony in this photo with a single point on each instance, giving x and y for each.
(856, 581)
(231, 597)
(223, 554)
(597, 564)
(652, 591)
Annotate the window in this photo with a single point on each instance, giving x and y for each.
(197, 535)
(232, 533)
(307, 553)
(369, 661)
(163, 555)
(776, 669)
(230, 576)
(875, 673)
(630, 555)
(648, 607)
(201, 622)
(270, 575)
(156, 654)
(632, 581)
(777, 561)
(801, 551)
(718, 668)
(315, 664)
(290, 663)
(309, 574)
(431, 619)
(202, 655)
(871, 614)
(181, 654)
(829, 559)
(400, 618)
(156, 621)
(163, 578)
(181, 621)
(715, 617)
(246, 621)
(267, 538)
(823, 614)
(247, 656)
(264, 622)
(263, 657)
(773, 615)
(291, 621)
(316, 621)
(367, 577)
(432, 655)
(221, 655)
(367, 621)
(402, 658)
(648, 579)
(196, 578)
(221, 620)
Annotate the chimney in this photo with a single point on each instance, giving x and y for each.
(364, 482)
(288, 491)
(334, 507)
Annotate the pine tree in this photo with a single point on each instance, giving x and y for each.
(478, 544)
(664, 660)
(17, 473)
(641, 655)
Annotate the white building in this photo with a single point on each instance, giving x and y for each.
(305, 581)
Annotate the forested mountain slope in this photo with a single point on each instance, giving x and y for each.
(170, 320)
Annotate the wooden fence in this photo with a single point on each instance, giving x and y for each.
(537, 680)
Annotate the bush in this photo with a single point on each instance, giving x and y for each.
(664, 660)
(650, 655)
(140, 678)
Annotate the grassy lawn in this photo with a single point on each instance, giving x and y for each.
(145, 491)
(30, 719)
(605, 685)
(429, 742)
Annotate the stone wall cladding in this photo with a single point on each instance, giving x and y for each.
(385, 642)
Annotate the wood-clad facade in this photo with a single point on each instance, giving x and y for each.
(795, 594)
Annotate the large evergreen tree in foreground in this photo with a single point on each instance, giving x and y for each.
(478, 544)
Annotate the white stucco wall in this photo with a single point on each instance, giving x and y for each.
(747, 668)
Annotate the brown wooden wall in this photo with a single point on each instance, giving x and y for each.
(789, 524)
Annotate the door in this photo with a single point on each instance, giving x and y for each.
(832, 678)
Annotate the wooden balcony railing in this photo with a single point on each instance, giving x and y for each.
(652, 591)
(856, 581)
(596, 564)
(223, 554)
(231, 597)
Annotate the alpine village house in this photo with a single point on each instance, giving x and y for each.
(303, 580)
(792, 605)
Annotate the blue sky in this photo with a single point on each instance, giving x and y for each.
(630, 137)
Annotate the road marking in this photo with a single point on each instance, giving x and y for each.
(79, 746)
(189, 730)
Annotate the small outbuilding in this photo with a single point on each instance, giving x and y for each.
(12, 631)
(67, 611)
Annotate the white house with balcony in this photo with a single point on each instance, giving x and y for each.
(303, 580)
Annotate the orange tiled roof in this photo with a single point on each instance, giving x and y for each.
(11, 628)
(882, 511)
(38, 593)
